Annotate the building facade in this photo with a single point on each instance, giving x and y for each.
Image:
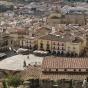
(58, 44)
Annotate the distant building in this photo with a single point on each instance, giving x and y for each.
(68, 18)
(61, 44)
(57, 71)
(56, 68)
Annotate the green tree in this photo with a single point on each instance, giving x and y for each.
(13, 81)
(4, 84)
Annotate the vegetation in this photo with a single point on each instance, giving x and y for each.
(13, 81)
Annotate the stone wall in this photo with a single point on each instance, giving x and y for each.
(61, 84)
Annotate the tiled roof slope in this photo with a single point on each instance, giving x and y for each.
(59, 62)
(32, 72)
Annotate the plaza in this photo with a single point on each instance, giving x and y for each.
(16, 62)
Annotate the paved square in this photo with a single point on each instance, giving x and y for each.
(17, 62)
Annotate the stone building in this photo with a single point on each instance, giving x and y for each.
(57, 72)
(61, 44)
(68, 18)
(27, 38)
(5, 41)
(56, 68)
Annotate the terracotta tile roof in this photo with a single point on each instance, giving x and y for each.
(64, 63)
(77, 40)
(32, 72)
(35, 72)
(42, 31)
(58, 37)
(22, 31)
(59, 62)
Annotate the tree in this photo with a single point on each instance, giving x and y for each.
(4, 84)
(14, 81)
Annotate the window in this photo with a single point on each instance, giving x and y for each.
(62, 48)
(74, 70)
(79, 69)
(62, 44)
(54, 48)
(41, 45)
(56, 70)
(58, 48)
(11, 41)
(73, 47)
(58, 43)
(49, 70)
(30, 42)
(30, 47)
(65, 69)
(48, 47)
(47, 42)
(41, 41)
(87, 70)
(68, 48)
(53, 43)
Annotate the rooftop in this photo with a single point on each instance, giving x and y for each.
(31, 72)
(57, 37)
(17, 62)
(59, 62)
